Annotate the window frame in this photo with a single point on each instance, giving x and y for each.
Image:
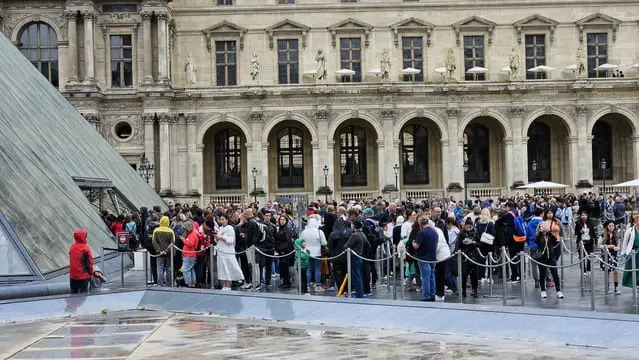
(412, 178)
(358, 77)
(288, 62)
(543, 171)
(224, 3)
(224, 152)
(589, 66)
(214, 52)
(418, 77)
(121, 61)
(290, 153)
(360, 150)
(482, 176)
(51, 64)
(534, 58)
(597, 174)
(474, 77)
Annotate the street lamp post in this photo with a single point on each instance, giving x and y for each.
(603, 173)
(146, 169)
(254, 172)
(325, 170)
(465, 183)
(396, 170)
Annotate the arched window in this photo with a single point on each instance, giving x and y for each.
(290, 158)
(39, 43)
(601, 149)
(228, 159)
(477, 153)
(539, 152)
(352, 156)
(415, 155)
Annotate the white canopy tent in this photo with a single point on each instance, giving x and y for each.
(543, 185)
(631, 183)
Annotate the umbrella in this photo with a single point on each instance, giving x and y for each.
(543, 185)
(541, 68)
(505, 69)
(345, 72)
(606, 67)
(636, 66)
(476, 70)
(572, 67)
(310, 72)
(375, 71)
(631, 183)
(411, 71)
(441, 70)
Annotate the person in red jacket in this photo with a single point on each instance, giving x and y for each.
(80, 263)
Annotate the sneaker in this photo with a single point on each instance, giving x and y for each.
(474, 294)
(537, 285)
(246, 286)
(617, 291)
(560, 295)
(332, 288)
(226, 289)
(609, 292)
(368, 294)
(448, 291)
(544, 295)
(439, 298)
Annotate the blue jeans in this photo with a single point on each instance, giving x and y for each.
(188, 267)
(356, 276)
(313, 273)
(427, 272)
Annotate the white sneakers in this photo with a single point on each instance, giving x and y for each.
(226, 289)
(544, 295)
(439, 298)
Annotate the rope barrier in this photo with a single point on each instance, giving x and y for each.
(274, 256)
(190, 251)
(585, 258)
(162, 253)
(482, 265)
(366, 259)
(430, 262)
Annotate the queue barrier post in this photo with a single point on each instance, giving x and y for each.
(212, 269)
(606, 277)
(592, 258)
(102, 259)
(298, 265)
(522, 271)
(561, 260)
(350, 270)
(504, 271)
(388, 265)
(459, 276)
(490, 273)
(633, 262)
(378, 267)
(402, 280)
(122, 269)
(582, 268)
(394, 273)
(146, 268)
(172, 256)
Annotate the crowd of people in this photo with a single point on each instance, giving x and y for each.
(427, 233)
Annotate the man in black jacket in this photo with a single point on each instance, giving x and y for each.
(247, 234)
(266, 244)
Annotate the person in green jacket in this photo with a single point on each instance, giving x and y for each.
(303, 257)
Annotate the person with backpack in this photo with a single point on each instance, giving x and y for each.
(374, 236)
(514, 236)
(315, 239)
(266, 244)
(248, 234)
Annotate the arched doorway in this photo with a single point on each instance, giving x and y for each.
(420, 154)
(290, 158)
(224, 159)
(355, 156)
(483, 147)
(548, 150)
(612, 144)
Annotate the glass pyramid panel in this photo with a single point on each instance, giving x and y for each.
(11, 262)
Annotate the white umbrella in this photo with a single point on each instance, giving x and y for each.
(543, 185)
(375, 71)
(441, 70)
(310, 72)
(631, 183)
(606, 67)
(505, 69)
(541, 68)
(572, 67)
(411, 71)
(636, 66)
(476, 70)
(345, 72)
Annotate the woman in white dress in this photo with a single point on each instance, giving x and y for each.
(228, 270)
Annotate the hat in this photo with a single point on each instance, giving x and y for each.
(368, 212)
(399, 221)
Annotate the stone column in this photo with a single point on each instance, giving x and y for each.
(445, 161)
(107, 56)
(318, 164)
(72, 67)
(584, 146)
(163, 65)
(509, 163)
(149, 141)
(573, 143)
(192, 143)
(523, 155)
(520, 166)
(455, 168)
(89, 60)
(173, 154)
(322, 117)
(148, 51)
(387, 176)
(381, 165)
(635, 158)
(198, 159)
(333, 167)
(165, 155)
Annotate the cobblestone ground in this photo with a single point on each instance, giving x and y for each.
(157, 335)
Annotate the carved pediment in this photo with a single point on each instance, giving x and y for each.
(224, 28)
(474, 23)
(536, 22)
(598, 20)
(287, 26)
(350, 25)
(412, 25)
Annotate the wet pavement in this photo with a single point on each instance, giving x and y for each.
(162, 335)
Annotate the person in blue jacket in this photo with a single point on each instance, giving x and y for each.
(531, 234)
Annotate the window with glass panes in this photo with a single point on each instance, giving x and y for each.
(473, 56)
(350, 52)
(597, 53)
(412, 55)
(225, 63)
(121, 61)
(535, 55)
(286, 2)
(288, 61)
(225, 2)
(39, 43)
(290, 158)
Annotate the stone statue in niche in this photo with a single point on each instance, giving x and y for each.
(581, 61)
(385, 65)
(255, 67)
(190, 69)
(450, 64)
(320, 71)
(514, 65)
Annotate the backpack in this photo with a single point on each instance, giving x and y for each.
(558, 213)
(373, 235)
(519, 232)
(178, 230)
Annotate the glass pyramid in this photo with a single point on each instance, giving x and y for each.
(44, 143)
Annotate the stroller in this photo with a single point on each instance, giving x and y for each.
(96, 281)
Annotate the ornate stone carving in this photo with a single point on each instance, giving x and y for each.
(256, 116)
(92, 118)
(148, 119)
(581, 110)
(121, 18)
(388, 114)
(165, 118)
(452, 112)
(71, 15)
(191, 118)
(516, 110)
(86, 14)
(355, 113)
(163, 16)
(146, 15)
(321, 115)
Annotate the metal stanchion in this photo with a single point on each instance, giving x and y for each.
(490, 273)
(402, 274)
(592, 258)
(350, 270)
(298, 265)
(633, 262)
(102, 260)
(378, 266)
(172, 275)
(122, 269)
(146, 268)
(460, 291)
(212, 269)
(522, 271)
(394, 274)
(504, 270)
(388, 263)
(582, 269)
(606, 277)
(561, 261)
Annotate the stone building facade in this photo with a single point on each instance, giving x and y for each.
(232, 98)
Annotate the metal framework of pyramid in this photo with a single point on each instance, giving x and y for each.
(45, 146)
